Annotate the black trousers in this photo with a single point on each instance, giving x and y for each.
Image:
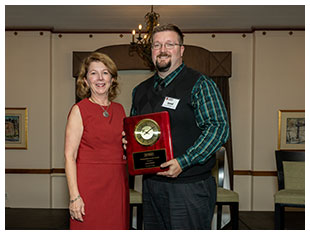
(178, 206)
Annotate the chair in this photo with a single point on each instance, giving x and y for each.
(225, 196)
(291, 183)
(135, 199)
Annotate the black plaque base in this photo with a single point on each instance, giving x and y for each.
(149, 159)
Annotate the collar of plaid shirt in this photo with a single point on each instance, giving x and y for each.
(167, 80)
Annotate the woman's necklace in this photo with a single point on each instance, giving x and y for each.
(105, 111)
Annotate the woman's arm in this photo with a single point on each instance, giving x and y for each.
(73, 135)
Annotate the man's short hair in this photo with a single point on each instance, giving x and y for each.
(169, 27)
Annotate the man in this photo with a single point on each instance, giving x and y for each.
(184, 196)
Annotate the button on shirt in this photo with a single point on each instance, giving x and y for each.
(210, 115)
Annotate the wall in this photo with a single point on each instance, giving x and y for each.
(279, 84)
(28, 84)
(261, 63)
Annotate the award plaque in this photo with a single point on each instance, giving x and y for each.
(149, 142)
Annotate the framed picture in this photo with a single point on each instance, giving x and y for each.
(16, 128)
(291, 134)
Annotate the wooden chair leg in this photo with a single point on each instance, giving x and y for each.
(219, 217)
(279, 217)
(130, 216)
(139, 216)
(234, 211)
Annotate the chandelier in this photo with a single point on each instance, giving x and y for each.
(141, 41)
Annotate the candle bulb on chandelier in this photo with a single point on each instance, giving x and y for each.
(140, 27)
(133, 35)
(141, 37)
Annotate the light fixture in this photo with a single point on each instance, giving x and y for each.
(141, 41)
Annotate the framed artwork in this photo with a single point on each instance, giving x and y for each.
(16, 128)
(291, 134)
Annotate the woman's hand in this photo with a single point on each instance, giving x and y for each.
(124, 141)
(76, 209)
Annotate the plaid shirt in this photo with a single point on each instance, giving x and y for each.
(167, 80)
(210, 115)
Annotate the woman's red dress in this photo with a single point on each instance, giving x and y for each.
(101, 169)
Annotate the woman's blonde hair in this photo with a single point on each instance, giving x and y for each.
(83, 90)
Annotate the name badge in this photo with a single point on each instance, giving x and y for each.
(170, 103)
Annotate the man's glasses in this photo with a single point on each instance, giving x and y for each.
(168, 45)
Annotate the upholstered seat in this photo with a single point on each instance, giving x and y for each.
(290, 196)
(135, 196)
(226, 195)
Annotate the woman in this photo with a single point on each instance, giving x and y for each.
(95, 166)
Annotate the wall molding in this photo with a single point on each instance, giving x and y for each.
(188, 31)
(62, 170)
(34, 171)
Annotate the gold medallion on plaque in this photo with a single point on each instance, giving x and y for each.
(147, 132)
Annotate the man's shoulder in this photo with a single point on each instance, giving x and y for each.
(145, 82)
(202, 80)
(191, 70)
(200, 77)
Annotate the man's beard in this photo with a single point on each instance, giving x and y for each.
(163, 67)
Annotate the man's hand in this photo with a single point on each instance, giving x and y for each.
(174, 169)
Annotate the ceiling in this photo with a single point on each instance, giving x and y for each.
(121, 18)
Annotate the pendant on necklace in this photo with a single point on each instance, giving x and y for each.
(105, 113)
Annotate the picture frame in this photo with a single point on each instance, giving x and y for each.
(16, 128)
(291, 131)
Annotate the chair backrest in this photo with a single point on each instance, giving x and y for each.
(218, 169)
(291, 169)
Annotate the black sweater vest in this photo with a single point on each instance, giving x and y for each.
(184, 129)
